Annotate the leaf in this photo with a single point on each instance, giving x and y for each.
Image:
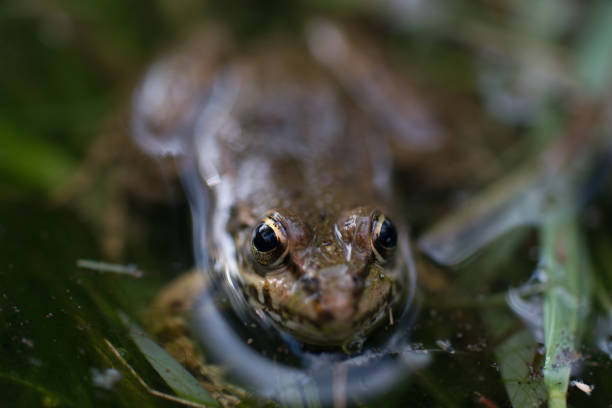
(515, 357)
(521, 199)
(175, 375)
(508, 204)
(528, 196)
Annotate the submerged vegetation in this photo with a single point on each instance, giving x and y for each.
(510, 217)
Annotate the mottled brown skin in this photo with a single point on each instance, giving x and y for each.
(290, 144)
(319, 184)
(323, 292)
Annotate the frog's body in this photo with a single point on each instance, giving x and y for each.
(273, 140)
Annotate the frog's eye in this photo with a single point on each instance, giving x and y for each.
(269, 242)
(384, 237)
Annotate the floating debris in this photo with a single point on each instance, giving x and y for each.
(105, 378)
(445, 345)
(484, 401)
(100, 266)
(27, 342)
(587, 389)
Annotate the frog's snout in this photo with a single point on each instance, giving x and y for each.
(336, 293)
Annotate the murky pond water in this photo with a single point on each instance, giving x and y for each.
(366, 208)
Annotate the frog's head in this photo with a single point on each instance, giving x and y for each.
(325, 279)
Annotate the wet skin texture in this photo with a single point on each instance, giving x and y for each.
(301, 189)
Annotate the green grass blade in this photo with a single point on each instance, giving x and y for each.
(565, 302)
(31, 162)
(174, 374)
(593, 59)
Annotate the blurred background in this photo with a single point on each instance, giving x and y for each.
(503, 79)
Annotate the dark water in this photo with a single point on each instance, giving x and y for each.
(55, 315)
(72, 69)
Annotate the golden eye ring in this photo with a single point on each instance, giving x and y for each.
(269, 242)
(384, 237)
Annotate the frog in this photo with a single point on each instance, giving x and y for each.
(286, 153)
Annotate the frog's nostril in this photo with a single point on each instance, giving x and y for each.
(310, 284)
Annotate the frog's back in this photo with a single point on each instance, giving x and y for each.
(277, 144)
(292, 133)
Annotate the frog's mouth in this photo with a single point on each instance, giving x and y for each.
(270, 377)
(328, 307)
(328, 333)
